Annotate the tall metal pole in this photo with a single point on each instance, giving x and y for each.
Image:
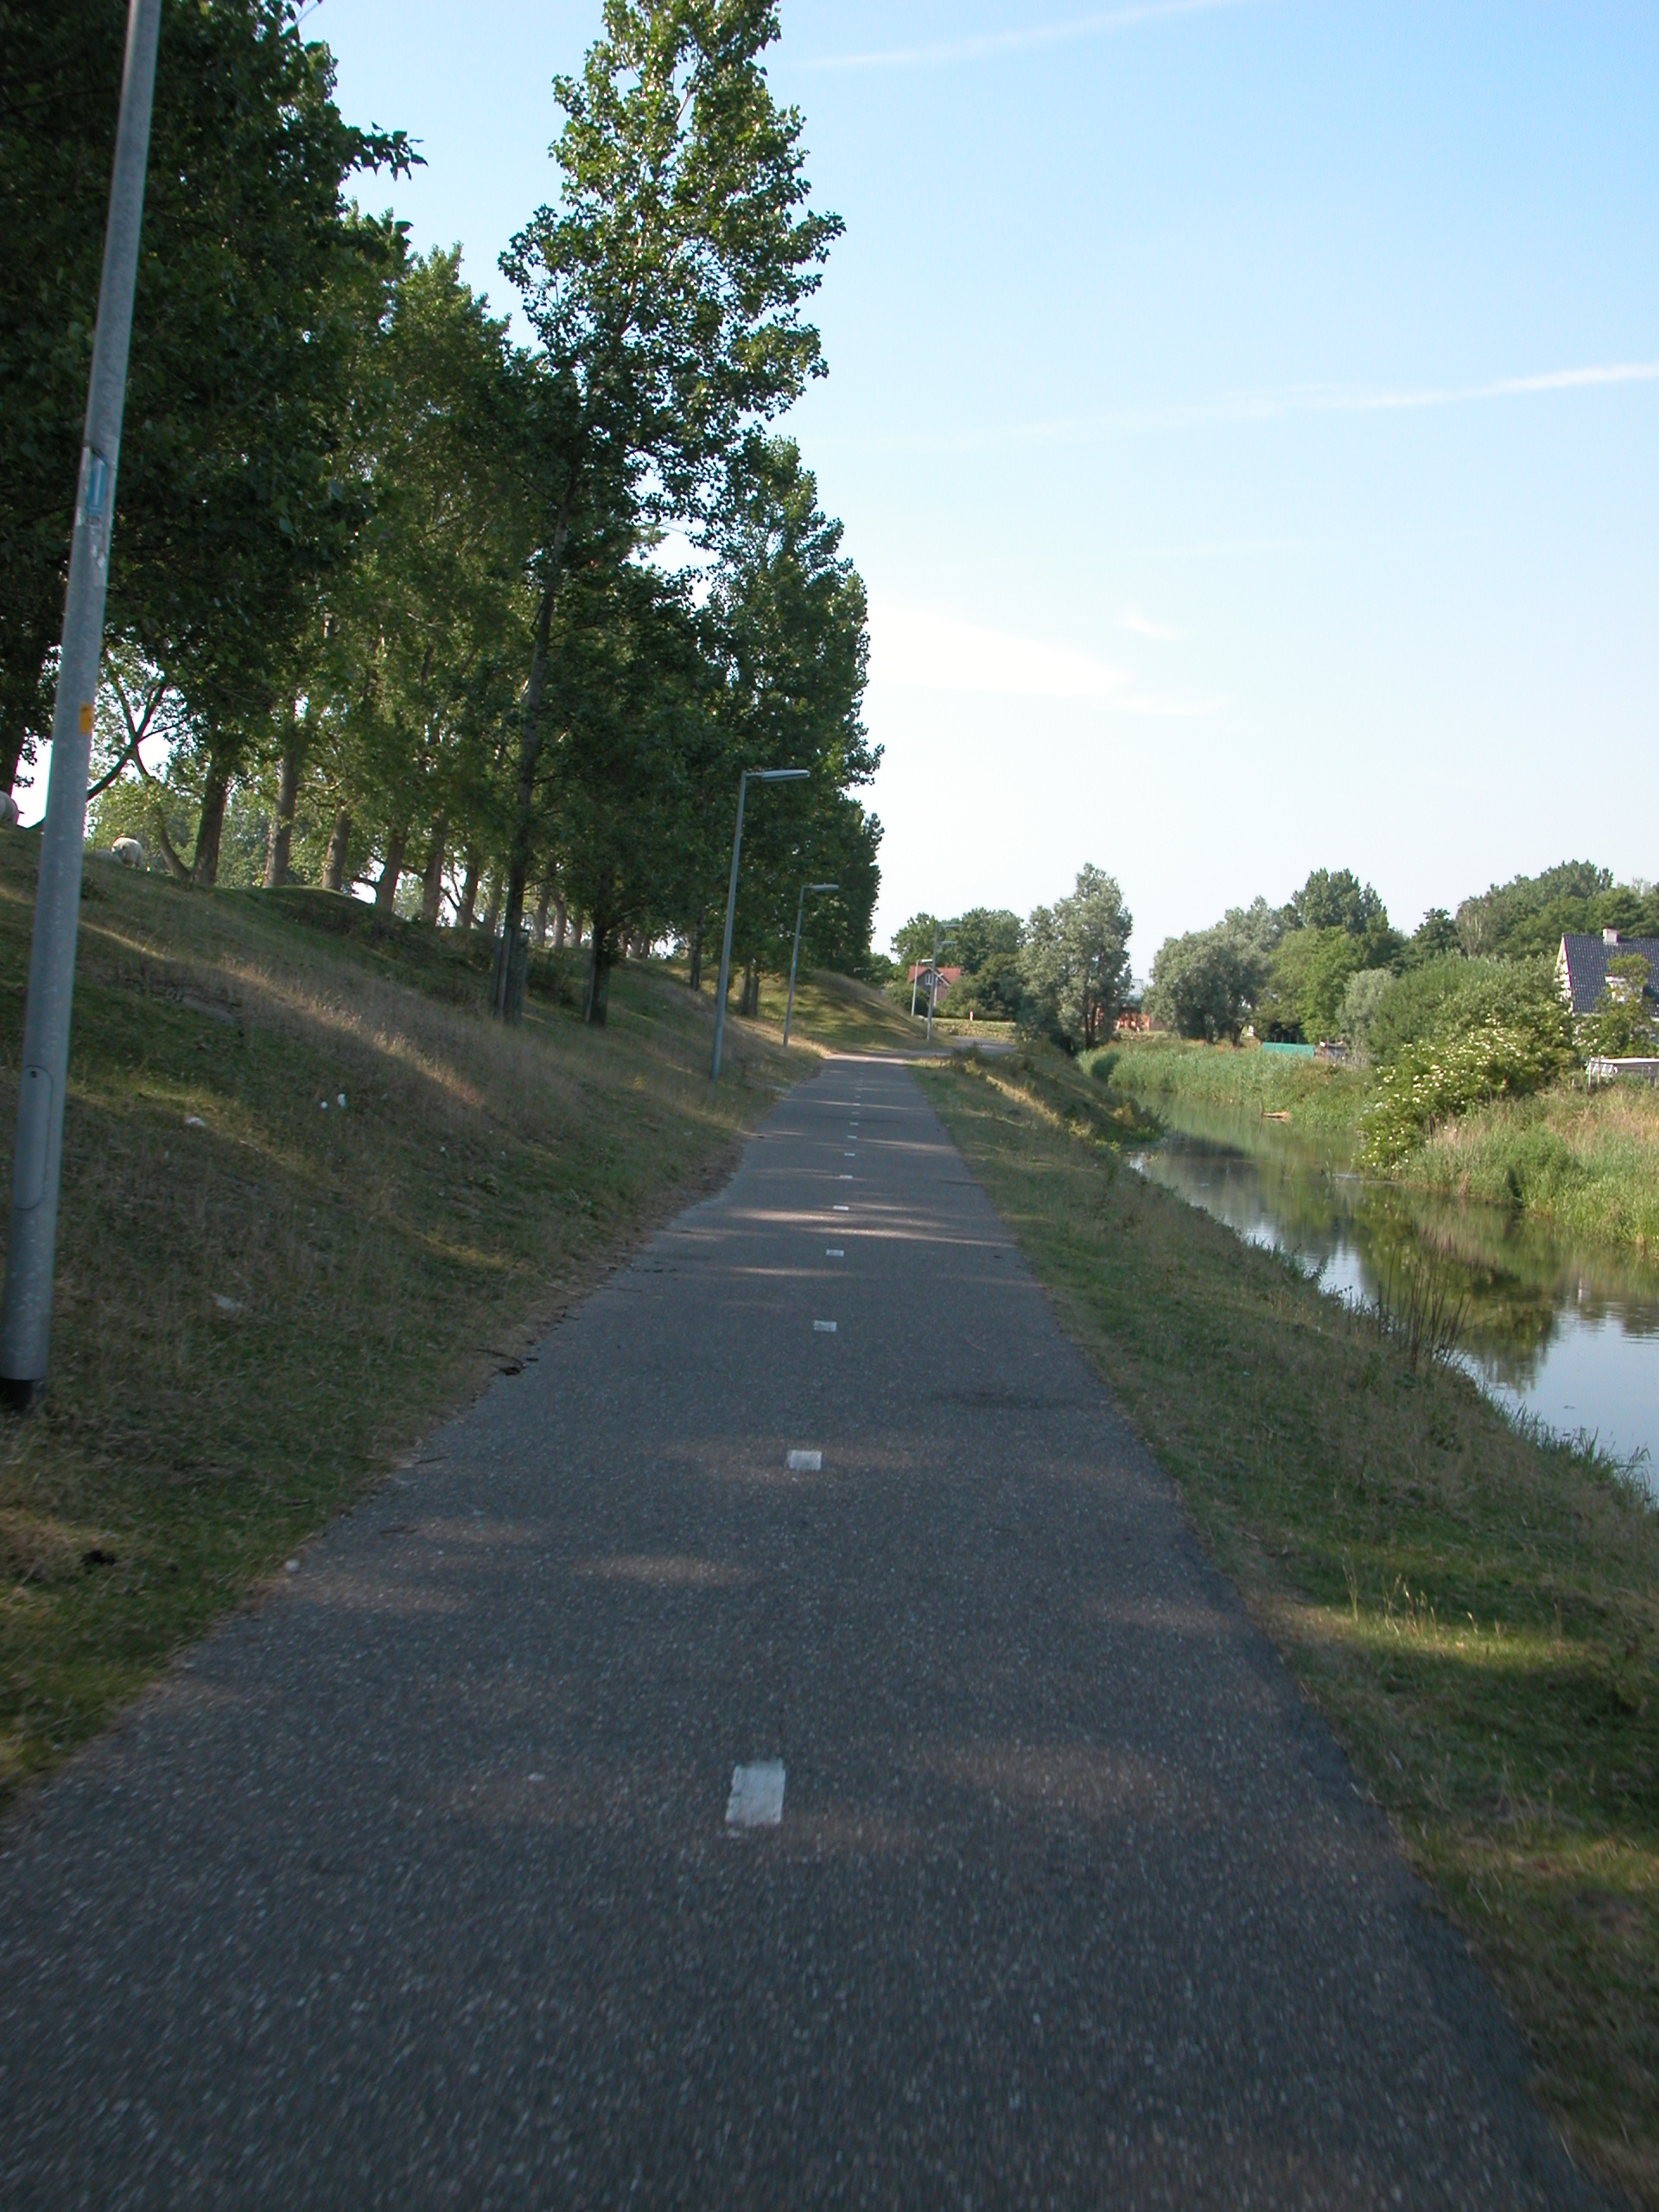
(933, 975)
(789, 1004)
(26, 1312)
(760, 775)
(725, 940)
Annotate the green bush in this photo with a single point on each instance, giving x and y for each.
(1507, 1053)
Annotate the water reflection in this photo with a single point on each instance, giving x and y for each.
(1570, 1333)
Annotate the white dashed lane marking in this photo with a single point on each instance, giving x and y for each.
(825, 1328)
(839, 1208)
(757, 1798)
(835, 1251)
(806, 1463)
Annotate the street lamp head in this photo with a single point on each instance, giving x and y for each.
(823, 886)
(776, 775)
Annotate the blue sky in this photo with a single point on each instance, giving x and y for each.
(1245, 417)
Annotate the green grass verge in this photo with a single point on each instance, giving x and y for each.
(1586, 1161)
(263, 1299)
(1474, 1610)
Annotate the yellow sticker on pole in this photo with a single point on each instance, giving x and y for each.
(86, 717)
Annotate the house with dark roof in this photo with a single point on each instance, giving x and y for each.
(1582, 966)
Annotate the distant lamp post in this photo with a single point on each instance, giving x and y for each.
(800, 904)
(759, 776)
(933, 975)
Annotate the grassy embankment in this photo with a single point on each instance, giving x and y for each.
(1586, 1161)
(1476, 1611)
(262, 1299)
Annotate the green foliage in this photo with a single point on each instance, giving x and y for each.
(1437, 933)
(788, 652)
(665, 287)
(1476, 1051)
(1529, 916)
(1075, 963)
(993, 991)
(255, 285)
(1334, 899)
(1205, 984)
(1367, 992)
(665, 291)
(983, 934)
(912, 941)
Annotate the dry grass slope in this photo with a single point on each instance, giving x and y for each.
(264, 1297)
(1476, 1611)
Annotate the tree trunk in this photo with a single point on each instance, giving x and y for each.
(280, 842)
(204, 868)
(467, 909)
(749, 997)
(432, 881)
(386, 892)
(334, 865)
(595, 998)
(560, 919)
(530, 745)
(575, 931)
(493, 911)
(22, 699)
(538, 932)
(695, 978)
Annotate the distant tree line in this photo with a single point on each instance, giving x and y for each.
(1468, 1007)
(1063, 973)
(1325, 965)
(388, 590)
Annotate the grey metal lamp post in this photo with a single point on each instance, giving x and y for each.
(933, 975)
(800, 904)
(26, 1314)
(759, 776)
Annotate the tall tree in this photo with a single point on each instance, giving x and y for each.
(240, 364)
(1075, 963)
(791, 615)
(430, 622)
(665, 289)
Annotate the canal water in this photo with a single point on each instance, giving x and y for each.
(1566, 1333)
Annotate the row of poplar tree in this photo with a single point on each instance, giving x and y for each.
(393, 586)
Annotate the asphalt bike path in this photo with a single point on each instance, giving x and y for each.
(783, 1747)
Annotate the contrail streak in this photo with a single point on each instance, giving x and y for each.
(986, 45)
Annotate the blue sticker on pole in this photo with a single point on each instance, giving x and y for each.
(95, 476)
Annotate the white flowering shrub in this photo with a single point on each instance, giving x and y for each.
(1505, 1055)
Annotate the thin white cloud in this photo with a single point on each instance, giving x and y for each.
(989, 45)
(925, 649)
(1270, 406)
(1144, 627)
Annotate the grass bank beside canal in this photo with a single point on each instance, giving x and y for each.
(1585, 1161)
(1475, 1611)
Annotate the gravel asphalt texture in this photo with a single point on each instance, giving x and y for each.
(413, 1884)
